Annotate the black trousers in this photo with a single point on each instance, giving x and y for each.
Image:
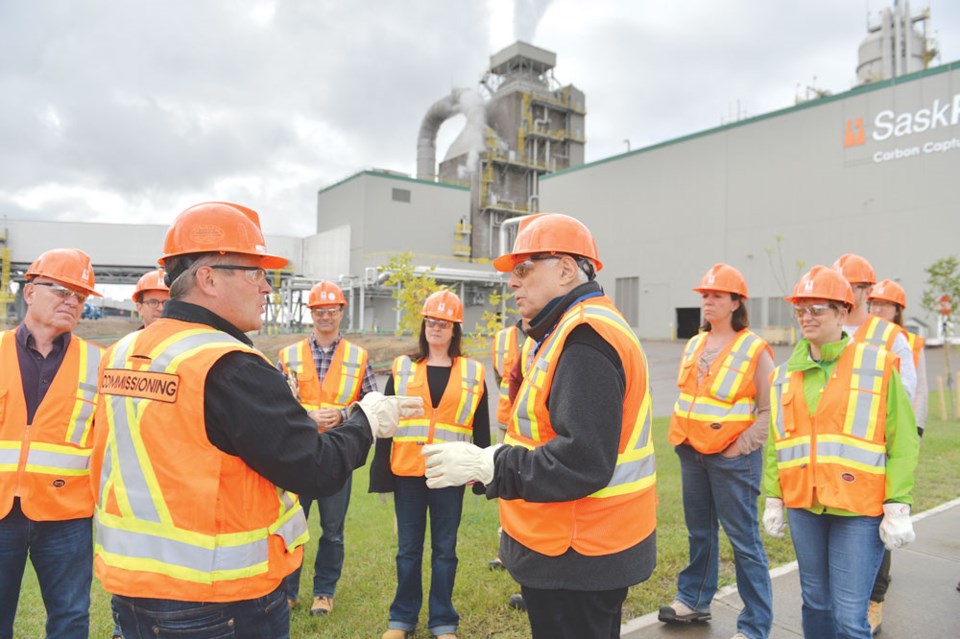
(574, 614)
(882, 581)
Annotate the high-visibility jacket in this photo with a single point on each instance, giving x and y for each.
(623, 513)
(450, 421)
(837, 457)
(177, 518)
(342, 382)
(711, 413)
(916, 345)
(878, 332)
(506, 350)
(47, 463)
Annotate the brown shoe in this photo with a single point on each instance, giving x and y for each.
(321, 606)
(875, 616)
(292, 602)
(393, 633)
(446, 635)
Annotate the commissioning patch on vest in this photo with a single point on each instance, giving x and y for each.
(162, 387)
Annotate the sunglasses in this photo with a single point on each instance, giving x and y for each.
(522, 269)
(437, 323)
(63, 292)
(254, 274)
(320, 312)
(814, 310)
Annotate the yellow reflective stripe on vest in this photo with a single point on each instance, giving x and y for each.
(708, 409)
(290, 528)
(82, 417)
(688, 352)
(350, 373)
(527, 353)
(636, 467)
(853, 453)
(865, 392)
(54, 459)
(731, 376)
(403, 373)
(793, 452)
(292, 357)
(471, 387)
(412, 430)
(873, 334)
(10, 455)
(780, 385)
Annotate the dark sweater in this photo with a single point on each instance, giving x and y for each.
(586, 409)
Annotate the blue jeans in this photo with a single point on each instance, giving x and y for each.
(724, 490)
(267, 617)
(412, 499)
(838, 558)
(329, 562)
(62, 556)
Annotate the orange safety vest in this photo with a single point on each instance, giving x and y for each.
(838, 456)
(47, 463)
(177, 518)
(450, 421)
(878, 332)
(916, 345)
(710, 414)
(340, 385)
(624, 512)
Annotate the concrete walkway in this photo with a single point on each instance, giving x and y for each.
(922, 601)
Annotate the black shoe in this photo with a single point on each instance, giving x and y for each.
(516, 602)
(958, 586)
(668, 614)
(496, 564)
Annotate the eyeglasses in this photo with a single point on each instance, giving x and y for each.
(254, 274)
(63, 292)
(436, 323)
(878, 305)
(814, 310)
(522, 269)
(329, 312)
(154, 303)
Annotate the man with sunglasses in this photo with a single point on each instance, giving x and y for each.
(204, 448)
(575, 474)
(48, 395)
(328, 373)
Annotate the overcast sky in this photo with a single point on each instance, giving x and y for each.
(133, 110)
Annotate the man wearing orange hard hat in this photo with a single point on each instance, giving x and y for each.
(48, 395)
(577, 463)
(204, 447)
(870, 329)
(328, 373)
(150, 295)
(840, 459)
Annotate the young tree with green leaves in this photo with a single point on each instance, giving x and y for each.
(943, 288)
(411, 289)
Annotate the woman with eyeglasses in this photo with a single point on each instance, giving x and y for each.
(455, 410)
(719, 425)
(841, 458)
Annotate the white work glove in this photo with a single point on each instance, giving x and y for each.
(385, 412)
(773, 522)
(458, 463)
(896, 529)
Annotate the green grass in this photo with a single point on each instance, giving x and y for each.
(367, 585)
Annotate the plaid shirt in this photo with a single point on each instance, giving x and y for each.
(322, 358)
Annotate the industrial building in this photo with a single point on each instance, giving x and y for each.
(868, 171)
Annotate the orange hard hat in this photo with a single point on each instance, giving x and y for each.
(444, 305)
(822, 283)
(150, 281)
(550, 233)
(889, 291)
(856, 269)
(723, 278)
(326, 293)
(218, 227)
(70, 267)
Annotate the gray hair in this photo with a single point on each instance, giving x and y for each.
(188, 265)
